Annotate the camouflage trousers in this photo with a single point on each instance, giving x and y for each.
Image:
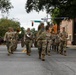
(43, 53)
(10, 46)
(62, 47)
(28, 45)
(57, 47)
(53, 45)
(16, 44)
(48, 47)
(41, 44)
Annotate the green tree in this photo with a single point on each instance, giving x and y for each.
(56, 18)
(5, 5)
(5, 23)
(56, 8)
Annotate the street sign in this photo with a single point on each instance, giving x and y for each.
(38, 21)
(44, 19)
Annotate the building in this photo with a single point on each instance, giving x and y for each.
(70, 26)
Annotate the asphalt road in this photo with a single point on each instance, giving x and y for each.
(21, 64)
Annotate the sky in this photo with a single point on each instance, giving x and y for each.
(19, 13)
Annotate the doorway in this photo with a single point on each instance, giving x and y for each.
(74, 32)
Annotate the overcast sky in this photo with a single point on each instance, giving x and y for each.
(19, 13)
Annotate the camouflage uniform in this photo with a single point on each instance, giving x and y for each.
(10, 41)
(57, 41)
(39, 42)
(49, 42)
(22, 41)
(16, 37)
(44, 37)
(53, 41)
(43, 43)
(28, 41)
(63, 42)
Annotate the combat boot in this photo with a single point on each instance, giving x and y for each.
(43, 57)
(65, 53)
(39, 53)
(48, 53)
(39, 56)
(8, 54)
(12, 51)
(61, 52)
(28, 53)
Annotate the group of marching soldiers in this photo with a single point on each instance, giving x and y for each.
(45, 40)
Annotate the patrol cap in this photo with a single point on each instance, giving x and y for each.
(47, 27)
(42, 23)
(10, 28)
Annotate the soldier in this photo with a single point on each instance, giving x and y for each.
(49, 40)
(28, 41)
(39, 45)
(44, 40)
(57, 41)
(16, 37)
(63, 41)
(10, 40)
(53, 40)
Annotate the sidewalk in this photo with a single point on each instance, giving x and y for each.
(72, 46)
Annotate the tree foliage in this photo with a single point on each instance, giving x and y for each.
(39, 5)
(5, 23)
(57, 8)
(5, 5)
